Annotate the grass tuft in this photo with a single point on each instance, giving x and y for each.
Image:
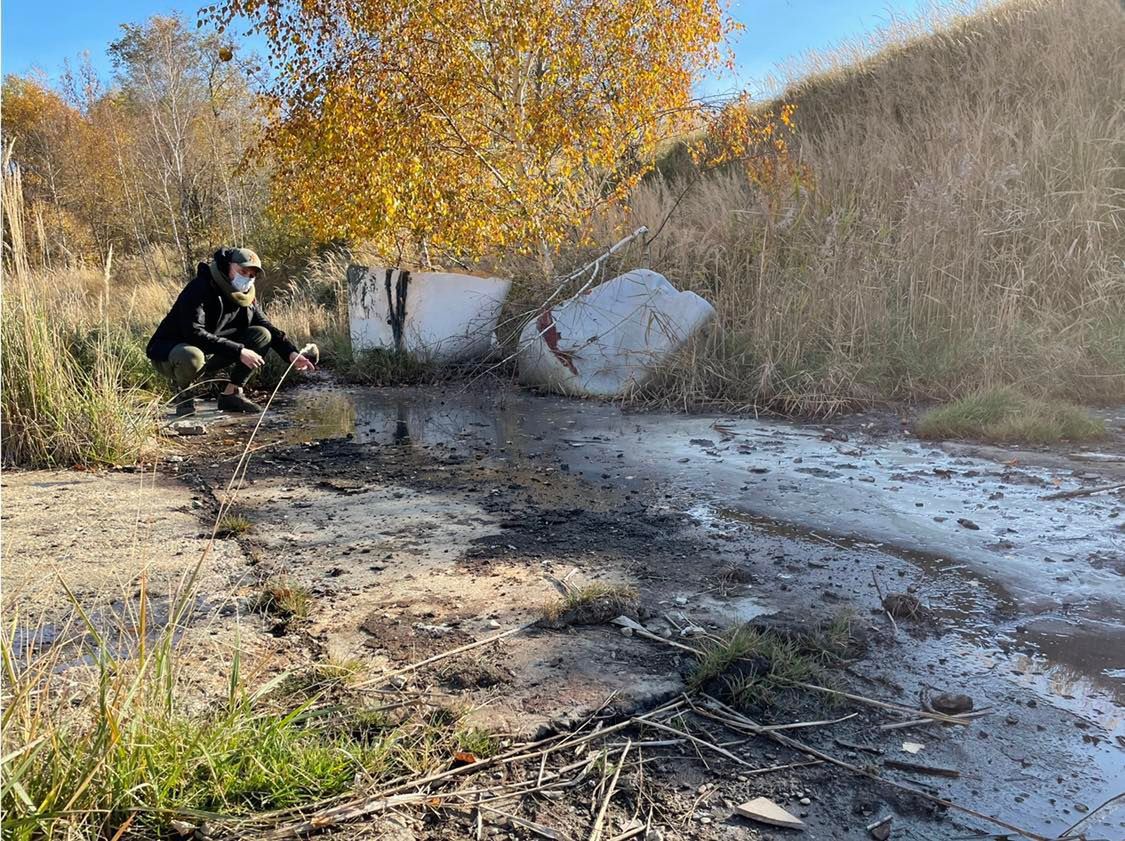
(591, 604)
(233, 525)
(81, 403)
(383, 368)
(751, 665)
(283, 598)
(1004, 415)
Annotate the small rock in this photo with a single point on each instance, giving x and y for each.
(1081, 807)
(680, 600)
(966, 523)
(189, 427)
(881, 831)
(804, 801)
(492, 623)
(952, 703)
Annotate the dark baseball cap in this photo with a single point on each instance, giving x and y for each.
(246, 258)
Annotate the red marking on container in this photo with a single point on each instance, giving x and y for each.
(551, 336)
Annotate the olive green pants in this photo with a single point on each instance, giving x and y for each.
(186, 363)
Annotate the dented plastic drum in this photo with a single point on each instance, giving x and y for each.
(610, 339)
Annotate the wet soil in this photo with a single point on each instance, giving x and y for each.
(422, 520)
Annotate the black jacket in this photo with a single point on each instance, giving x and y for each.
(203, 316)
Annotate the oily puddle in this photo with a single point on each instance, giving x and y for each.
(1023, 577)
(1062, 656)
(119, 630)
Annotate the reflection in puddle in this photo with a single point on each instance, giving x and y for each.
(372, 418)
(1062, 661)
(873, 496)
(322, 415)
(115, 631)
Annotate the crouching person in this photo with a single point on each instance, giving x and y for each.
(215, 324)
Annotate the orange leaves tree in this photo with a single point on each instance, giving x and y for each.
(469, 124)
(761, 140)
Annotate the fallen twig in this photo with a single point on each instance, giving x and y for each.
(641, 631)
(1070, 830)
(871, 827)
(696, 740)
(596, 832)
(856, 746)
(786, 767)
(1101, 489)
(883, 601)
(753, 726)
(631, 833)
(537, 828)
(826, 540)
(967, 719)
(800, 725)
(915, 768)
(949, 719)
(385, 676)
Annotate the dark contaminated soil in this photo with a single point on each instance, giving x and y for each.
(430, 520)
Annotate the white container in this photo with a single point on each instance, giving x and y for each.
(435, 316)
(608, 340)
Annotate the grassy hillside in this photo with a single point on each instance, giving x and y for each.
(964, 226)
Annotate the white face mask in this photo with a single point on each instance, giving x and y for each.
(242, 282)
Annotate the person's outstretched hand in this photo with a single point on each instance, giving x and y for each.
(301, 362)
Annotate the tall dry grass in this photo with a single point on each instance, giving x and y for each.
(75, 387)
(964, 226)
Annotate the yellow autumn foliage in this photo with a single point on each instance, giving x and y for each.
(469, 124)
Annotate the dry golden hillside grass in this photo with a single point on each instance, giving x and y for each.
(963, 228)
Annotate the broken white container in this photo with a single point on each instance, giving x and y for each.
(439, 316)
(609, 339)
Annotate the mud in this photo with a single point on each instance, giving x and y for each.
(423, 520)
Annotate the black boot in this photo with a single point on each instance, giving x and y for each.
(237, 402)
(185, 407)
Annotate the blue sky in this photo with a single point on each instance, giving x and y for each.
(44, 33)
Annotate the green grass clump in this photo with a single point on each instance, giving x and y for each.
(592, 604)
(113, 751)
(752, 665)
(233, 525)
(283, 598)
(65, 404)
(477, 741)
(1005, 415)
